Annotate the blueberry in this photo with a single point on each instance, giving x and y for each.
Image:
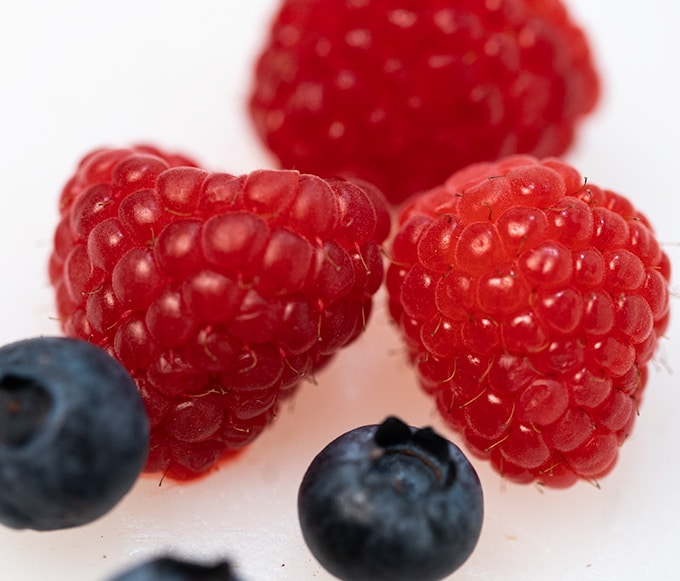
(393, 502)
(74, 434)
(168, 568)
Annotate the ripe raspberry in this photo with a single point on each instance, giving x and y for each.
(219, 293)
(531, 303)
(403, 92)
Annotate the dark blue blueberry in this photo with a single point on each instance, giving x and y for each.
(391, 502)
(169, 568)
(74, 435)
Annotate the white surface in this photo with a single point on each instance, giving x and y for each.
(75, 75)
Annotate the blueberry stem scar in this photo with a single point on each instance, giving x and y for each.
(393, 433)
(24, 404)
(424, 459)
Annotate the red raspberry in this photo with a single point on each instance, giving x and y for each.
(531, 303)
(219, 293)
(403, 92)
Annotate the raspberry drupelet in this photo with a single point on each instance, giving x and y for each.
(404, 92)
(531, 302)
(219, 293)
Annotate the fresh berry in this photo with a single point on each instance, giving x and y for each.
(393, 502)
(74, 434)
(403, 92)
(531, 302)
(170, 568)
(219, 293)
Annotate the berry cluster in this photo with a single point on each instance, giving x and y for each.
(219, 293)
(529, 300)
(404, 93)
(531, 303)
(379, 502)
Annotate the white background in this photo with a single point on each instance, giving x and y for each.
(76, 74)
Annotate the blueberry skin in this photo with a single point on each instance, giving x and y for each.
(391, 502)
(168, 568)
(74, 434)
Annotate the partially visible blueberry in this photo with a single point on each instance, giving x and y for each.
(169, 568)
(74, 434)
(391, 502)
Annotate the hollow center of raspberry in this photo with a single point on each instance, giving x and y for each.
(24, 406)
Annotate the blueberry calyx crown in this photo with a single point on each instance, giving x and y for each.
(394, 436)
(24, 405)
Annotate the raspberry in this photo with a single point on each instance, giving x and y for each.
(218, 293)
(403, 92)
(531, 303)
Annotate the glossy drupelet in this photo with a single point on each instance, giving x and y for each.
(391, 502)
(74, 434)
(531, 302)
(172, 568)
(219, 293)
(403, 93)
